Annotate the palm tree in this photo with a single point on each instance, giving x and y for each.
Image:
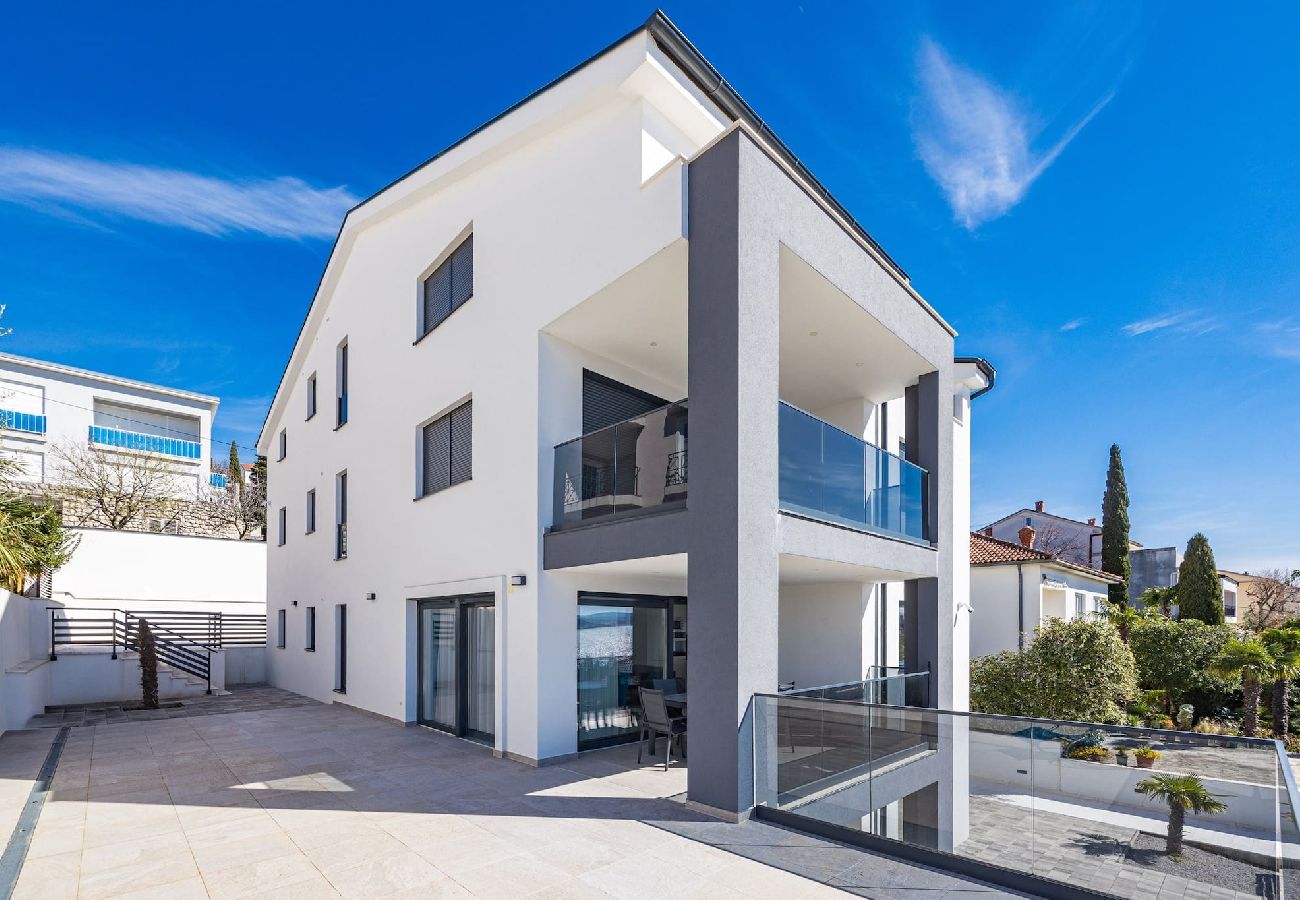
(1123, 616)
(1249, 662)
(1284, 646)
(1181, 792)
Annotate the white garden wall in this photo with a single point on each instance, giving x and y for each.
(145, 571)
(24, 649)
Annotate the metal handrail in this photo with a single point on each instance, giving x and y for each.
(174, 649)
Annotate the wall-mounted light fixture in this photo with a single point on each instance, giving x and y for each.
(370, 596)
(518, 580)
(295, 603)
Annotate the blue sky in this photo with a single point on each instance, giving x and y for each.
(1102, 199)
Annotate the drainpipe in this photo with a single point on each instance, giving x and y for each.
(1020, 604)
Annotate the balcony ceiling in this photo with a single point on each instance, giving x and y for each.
(834, 351)
(638, 320)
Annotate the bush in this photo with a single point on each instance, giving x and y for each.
(1088, 754)
(1078, 670)
(1224, 727)
(1174, 657)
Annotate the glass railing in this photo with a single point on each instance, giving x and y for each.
(148, 443)
(627, 469)
(832, 475)
(217, 480)
(1066, 802)
(889, 685)
(22, 421)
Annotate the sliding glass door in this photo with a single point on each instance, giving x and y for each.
(625, 643)
(457, 666)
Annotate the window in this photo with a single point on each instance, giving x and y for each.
(448, 287)
(1230, 603)
(279, 628)
(284, 443)
(311, 629)
(311, 511)
(311, 395)
(341, 648)
(1080, 604)
(448, 450)
(341, 379)
(284, 526)
(341, 515)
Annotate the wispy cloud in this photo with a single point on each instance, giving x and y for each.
(62, 185)
(240, 419)
(975, 140)
(1280, 339)
(1072, 325)
(1194, 323)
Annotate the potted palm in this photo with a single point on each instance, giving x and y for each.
(1145, 756)
(1181, 793)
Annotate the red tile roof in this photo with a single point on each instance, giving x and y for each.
(989, 551)
(985, 550)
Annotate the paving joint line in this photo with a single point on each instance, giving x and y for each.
(15, 853)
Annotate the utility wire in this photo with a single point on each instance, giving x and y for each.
(183, 435)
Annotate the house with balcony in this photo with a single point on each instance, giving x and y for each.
(45, 405)
(1017, 587)
(612, 394)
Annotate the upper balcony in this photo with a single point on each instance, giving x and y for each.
(641, 465)
(29, 423)
(116, 438)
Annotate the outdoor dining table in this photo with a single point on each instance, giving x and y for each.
(677, 701)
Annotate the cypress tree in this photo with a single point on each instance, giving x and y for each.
(1200, 593)
(148, 666)
(236, 474)
(1114, 527)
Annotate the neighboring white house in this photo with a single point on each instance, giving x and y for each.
(479, 517)
(45, 404)
(1015, 588)
(1067, 538)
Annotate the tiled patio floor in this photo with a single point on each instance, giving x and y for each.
(319, 801)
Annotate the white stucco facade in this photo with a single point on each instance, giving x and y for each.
(578, 206)
(1011, 598)
(45, 405)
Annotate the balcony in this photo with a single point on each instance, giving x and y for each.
(834, 476)
(146, 443)
(29, 423)
(217, 480)
(640, 465)
(627, 469)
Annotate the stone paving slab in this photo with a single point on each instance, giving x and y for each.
(313, 800)
(239, 698)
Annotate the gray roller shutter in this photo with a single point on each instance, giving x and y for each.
(606, 401)
(450, 285)
(449, 449)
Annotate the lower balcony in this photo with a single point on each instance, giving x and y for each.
(101, 436)
(641, 465)
(29, 423)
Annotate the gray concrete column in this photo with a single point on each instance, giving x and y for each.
(733, 390)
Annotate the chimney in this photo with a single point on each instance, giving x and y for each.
(1038, 505)
(1092, 521)
(1027, 537)
(988, 532)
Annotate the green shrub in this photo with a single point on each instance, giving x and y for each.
(1174, 657)
(1078, 670)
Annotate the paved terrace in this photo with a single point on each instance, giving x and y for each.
(267, 795)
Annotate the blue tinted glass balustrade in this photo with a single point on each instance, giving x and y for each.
(217, 480)
(829, 474)
(21, 421)
(148, 443)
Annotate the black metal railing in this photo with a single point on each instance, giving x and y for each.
(118, 629)
(217, 630)
(341, 540)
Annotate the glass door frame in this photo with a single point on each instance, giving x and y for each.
(460, 604)
(625, 600)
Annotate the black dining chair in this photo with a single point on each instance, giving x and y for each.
(659, 722)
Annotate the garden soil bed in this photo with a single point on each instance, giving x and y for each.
(1148, 851)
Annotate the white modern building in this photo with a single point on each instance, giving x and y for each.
(1015, 589)
(44, 405)
(606, 393)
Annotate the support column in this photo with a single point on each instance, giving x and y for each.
(733, 390)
